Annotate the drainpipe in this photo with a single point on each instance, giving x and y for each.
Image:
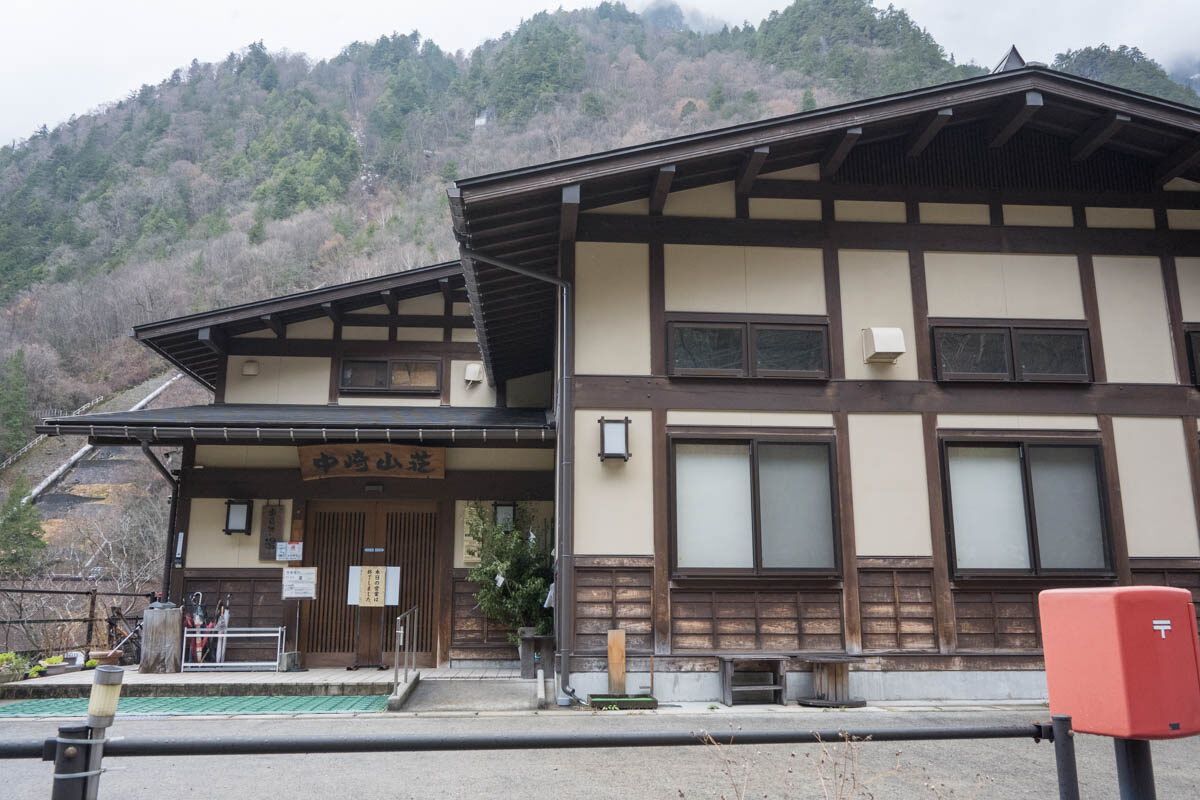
(565, 437)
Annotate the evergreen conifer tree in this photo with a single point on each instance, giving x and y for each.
(20, 532)
(14, 404)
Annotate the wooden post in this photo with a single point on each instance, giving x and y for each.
(162, 640)
(616, 662)
(91, 623)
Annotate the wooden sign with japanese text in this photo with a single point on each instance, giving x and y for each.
(371, 587)
(371, 461)
(270, 530)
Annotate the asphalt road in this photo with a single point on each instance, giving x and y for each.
(969, 769)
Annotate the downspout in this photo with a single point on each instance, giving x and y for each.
(171, 516)
(565, 440)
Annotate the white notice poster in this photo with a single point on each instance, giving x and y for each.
(299, 582)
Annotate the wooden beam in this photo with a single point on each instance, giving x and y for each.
(212, 338)
(332, 311)
(927, 128)
(831, 162)
(1097, 134)
(661, 188)
(389, 299)
(1178, 162)
(1013, 117)
(568, 218)
(750, 168)
(273, 322)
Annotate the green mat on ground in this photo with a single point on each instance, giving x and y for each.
(171, 706)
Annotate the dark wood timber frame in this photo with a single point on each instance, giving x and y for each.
(1019, 441)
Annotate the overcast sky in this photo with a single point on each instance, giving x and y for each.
(65, 57)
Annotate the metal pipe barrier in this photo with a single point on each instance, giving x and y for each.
(407, 644)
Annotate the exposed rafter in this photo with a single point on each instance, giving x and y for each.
(1178, 162)
(1097, 134)
(568, 218)
(332, 311)
(750, 168)
(276, 324)
(389, 299)
(213, 339)
(661, 188)
(831, 162)
(927, 127)
(1013, 117)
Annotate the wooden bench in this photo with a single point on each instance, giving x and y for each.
(831, 677)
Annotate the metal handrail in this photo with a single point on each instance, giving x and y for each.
(408, 644)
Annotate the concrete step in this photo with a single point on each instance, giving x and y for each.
(482, 695)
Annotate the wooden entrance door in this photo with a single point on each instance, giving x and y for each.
(342, 534)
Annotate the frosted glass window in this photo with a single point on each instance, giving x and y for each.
(987, 501)
(795, 508)
(1066, 502)
(714, 515)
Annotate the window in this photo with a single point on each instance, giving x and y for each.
(420, 376)
(754, 507)
(1193, 345)
(1031, 508)
(1008, 353)
(748, 349)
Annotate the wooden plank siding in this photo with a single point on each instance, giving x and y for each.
(472, 635)
(1179, 578)
(997, 620)
(897, 610)
(723, 620)
(254, 602)
(614, 599)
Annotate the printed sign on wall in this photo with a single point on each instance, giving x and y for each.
(289, 551)
(299, 582)
(371, 587)
(371, 460)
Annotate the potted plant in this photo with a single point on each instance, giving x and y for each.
(513, 575)
(53, 665)
(12, 667)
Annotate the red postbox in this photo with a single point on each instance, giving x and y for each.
(1123, 662)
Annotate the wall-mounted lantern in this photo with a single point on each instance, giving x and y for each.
(506, 513)
(237, 516)
(614, 439)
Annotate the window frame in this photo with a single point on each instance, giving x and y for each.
(1191, 333)
(749, 324)
(753, 439)
(1012, 329)
(420, 391)
(1021, 442)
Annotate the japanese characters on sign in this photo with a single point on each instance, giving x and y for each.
(374, 460)
(371, 586)
(299, 582)
(289, 551)
(270, 530)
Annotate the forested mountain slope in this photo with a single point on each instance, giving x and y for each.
(267, 173)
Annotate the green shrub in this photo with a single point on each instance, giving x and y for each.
(90, 663)
(51, 661)
(514, 571)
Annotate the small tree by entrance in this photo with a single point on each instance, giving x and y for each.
(514, 570)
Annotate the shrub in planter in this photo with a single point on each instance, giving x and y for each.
(12, 667)
(514, 570)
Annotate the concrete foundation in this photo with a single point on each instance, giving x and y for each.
(876, 687)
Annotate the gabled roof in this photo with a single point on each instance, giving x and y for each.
(520, 216)
(193, 342)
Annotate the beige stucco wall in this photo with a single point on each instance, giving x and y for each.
(475, 395)
(716, 200)
(474, 459)
(748, 419)
(424, 304)
(869, 211)
(876, 293)
(383, 400)
(614, 499)
(418, 334)
(246, 456)
(1019, 422)
(1181, 185)
(207, 544)
(362, 333)
(1111, 217)
(1003, 285)
(754, 280)
(955, 213)
(542, 512)
(280, 379)
(319, 328)
(891, 496)
(808, 172)
(1183, 219)
(784, 208)
(1039, 216)
(636, 207)
(463, 335)
(1156, 487)
(530, 391)
(612, 309)
(1188, 272)
(1133, 320)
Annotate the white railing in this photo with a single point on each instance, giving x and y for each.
(405, 623)
(35, 441)
(201, 636)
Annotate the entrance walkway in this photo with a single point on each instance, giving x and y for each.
(313, 682)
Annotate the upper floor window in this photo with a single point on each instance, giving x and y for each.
(1193, 345)
(1025, 508)
(421, 376)
(1012, 353)
(747, 349)
(753, 506)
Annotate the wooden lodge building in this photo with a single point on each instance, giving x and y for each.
(861, 380)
